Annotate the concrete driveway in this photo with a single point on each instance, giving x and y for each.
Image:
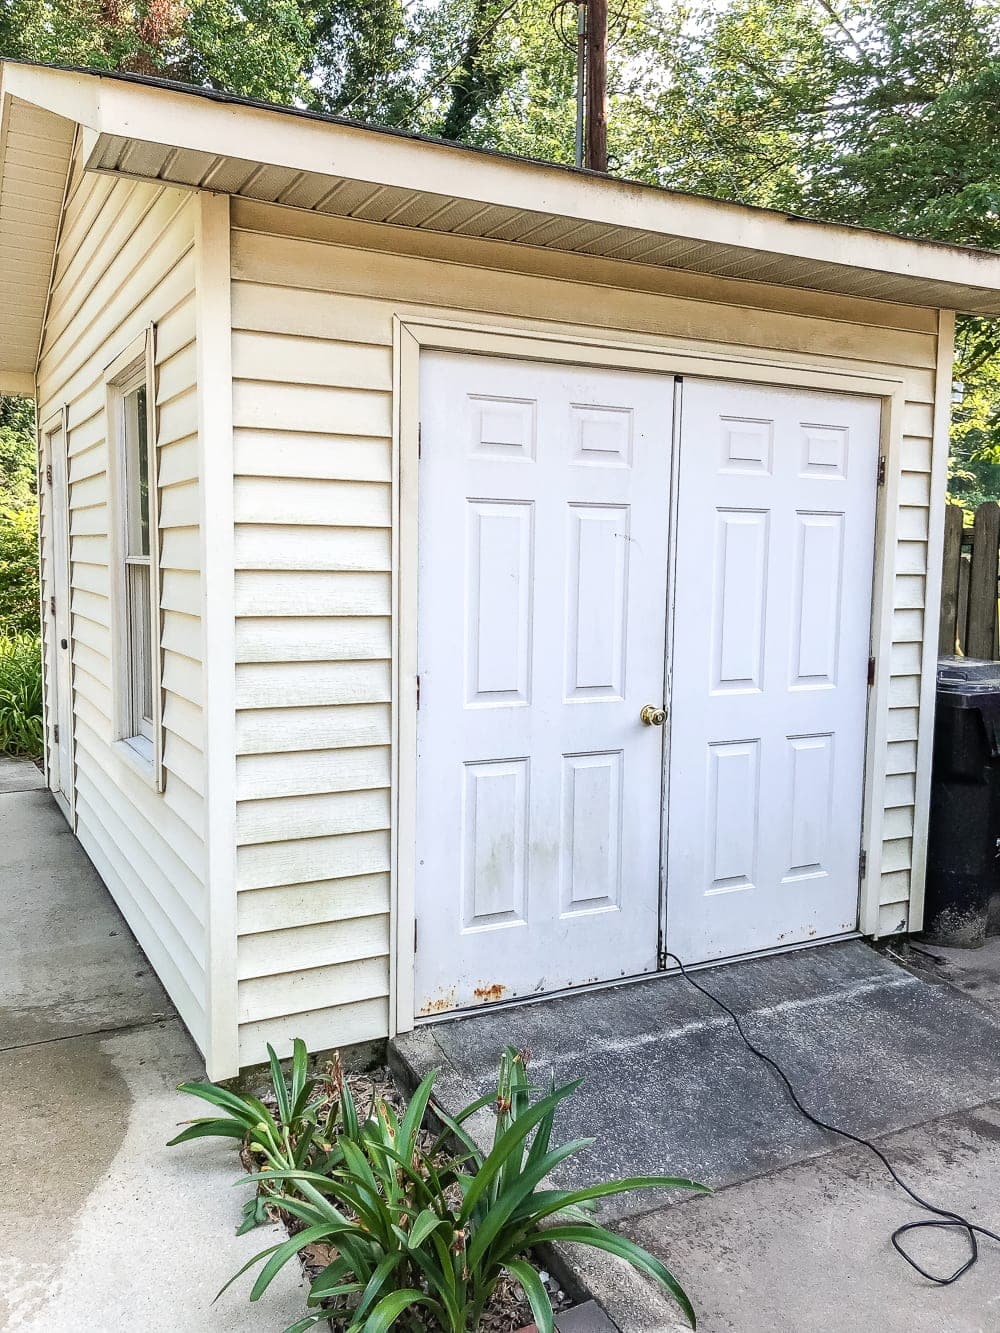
(103, 1227)
(796, 1238)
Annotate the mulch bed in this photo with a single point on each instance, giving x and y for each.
(508, 1311)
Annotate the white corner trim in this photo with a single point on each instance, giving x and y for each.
(213, 316)
(883, 603)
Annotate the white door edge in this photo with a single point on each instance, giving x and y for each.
(856, 836)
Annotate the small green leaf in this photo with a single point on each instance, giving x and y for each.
(201, 1129)
(602, 1239)
(243, 1108)
(423, 1225)
(378, 1280)
(534, 1289)
(332, 1276)
(278, 1084)
(392, 1306)
(283, 1253)
(308, 1321)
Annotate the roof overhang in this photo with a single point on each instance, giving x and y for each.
(35, 150)
(204, 140)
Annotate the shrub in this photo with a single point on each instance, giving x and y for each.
(18, 518)
(19, 568)
(412, 1225)
(20, 694)
(299, 1132)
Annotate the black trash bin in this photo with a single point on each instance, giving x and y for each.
(963, 869)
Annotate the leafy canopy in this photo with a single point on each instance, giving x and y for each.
(881, 113)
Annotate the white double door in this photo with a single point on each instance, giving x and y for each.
(543, 826)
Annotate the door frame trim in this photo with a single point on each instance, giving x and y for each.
(57, 421)
(424, 331)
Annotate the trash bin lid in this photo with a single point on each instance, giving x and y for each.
(967, 676)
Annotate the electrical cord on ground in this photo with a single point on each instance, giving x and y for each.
(943, 1218)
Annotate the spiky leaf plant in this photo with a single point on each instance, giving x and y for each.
(418, 1229)
(301, 1132)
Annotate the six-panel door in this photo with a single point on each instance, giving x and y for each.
(775, 552)
(543, 526)
(542, 596)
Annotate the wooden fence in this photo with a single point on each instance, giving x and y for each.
(971, 583)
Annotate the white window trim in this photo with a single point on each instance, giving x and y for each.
(136, 365)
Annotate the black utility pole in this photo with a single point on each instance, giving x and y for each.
(596, 155)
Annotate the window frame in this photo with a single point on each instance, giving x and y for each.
(138, 739)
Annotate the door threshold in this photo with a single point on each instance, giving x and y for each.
(516, 1001)
(672, 971)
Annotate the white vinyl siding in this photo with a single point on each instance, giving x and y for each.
(125, 261)
(313, 406)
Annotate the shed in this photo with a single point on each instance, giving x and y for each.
(465, 578)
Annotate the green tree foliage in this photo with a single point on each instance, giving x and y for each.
(18, 518)
(881, 113)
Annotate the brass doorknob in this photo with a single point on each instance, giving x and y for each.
(653, 716)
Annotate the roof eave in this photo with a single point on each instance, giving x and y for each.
(120, 114)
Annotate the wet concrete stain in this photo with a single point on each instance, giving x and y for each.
(66, 1109)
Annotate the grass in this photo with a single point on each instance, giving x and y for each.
(20, 695)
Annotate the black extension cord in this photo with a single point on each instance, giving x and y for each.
(943, 1217)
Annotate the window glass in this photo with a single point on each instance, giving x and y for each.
(138, 627)
(137, 471)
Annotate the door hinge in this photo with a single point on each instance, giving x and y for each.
(52, 605)
(881, 470)
(871, 672)
(418, 691)
(863, 865)
(420, 439)
(414, 934)
(55, 733)
(48, 474)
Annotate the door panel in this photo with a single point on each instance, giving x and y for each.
(542, 596)
(61, 683)
(772, 609)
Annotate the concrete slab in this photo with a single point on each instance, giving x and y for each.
(807, 1250)
(19, 774)
(71, 966)
(669, 1088)
(109, 1228)
(975, 972)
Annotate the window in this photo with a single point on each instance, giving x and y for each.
(138, 614)
(129, 382)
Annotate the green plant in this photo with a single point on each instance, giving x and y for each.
(20, 694)
(298, 1133)
(416, 1226)
(19, 568)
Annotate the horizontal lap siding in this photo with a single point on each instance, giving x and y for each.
(312, 441)
(125, 260)
(312, 357)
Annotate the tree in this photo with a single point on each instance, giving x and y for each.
(881, 113)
